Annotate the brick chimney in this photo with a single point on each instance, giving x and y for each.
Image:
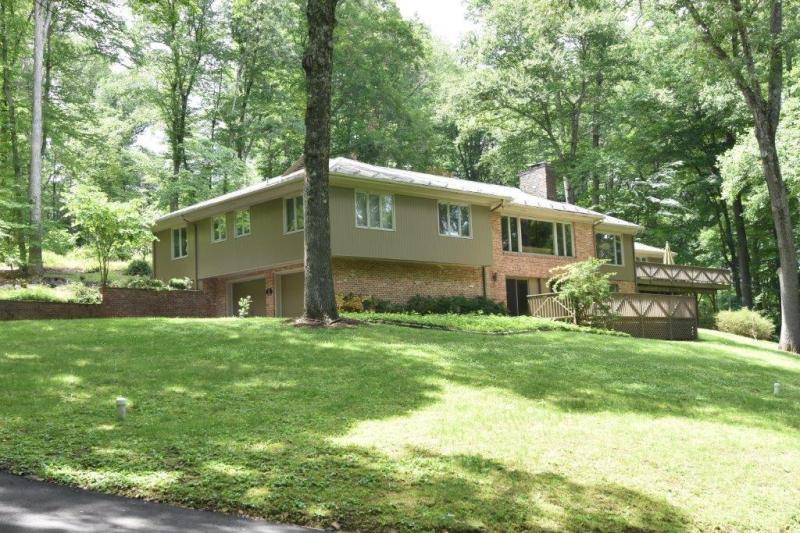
(539, 180)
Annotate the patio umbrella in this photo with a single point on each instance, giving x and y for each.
(668, 256)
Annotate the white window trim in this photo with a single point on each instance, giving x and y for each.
(172, 244)
(225, 237)
(355, 210)
(614, 252)
(455, 204)
(285, 226)
(555, 236)
(249, 220)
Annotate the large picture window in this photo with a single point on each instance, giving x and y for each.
(180, 243)
(536, 236)
(455, 220)
(374, 210)
(293, 214)
(219, 230)
(243, 223)
(609, 247)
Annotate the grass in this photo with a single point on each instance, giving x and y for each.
(476, 323)
(381, 427)
(37, 293)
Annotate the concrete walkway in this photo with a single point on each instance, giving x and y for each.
(28, 506)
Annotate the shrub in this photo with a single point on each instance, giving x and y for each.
(350, 302)
(33, 294)
(746, 323)
(584, 287)
(85, 295)
(139, 267)
(58, 240)
(139, 282)
(180, 284)
(244, 306)
(459, 305)
(377, 305)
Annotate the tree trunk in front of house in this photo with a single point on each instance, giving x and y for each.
(41, 21)
(319, 298)
(742, 253)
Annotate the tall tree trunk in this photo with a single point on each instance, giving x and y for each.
(787, 253)
(319, 299)
(728, 245)
(742, 253)
(41, 15)
(19, 217)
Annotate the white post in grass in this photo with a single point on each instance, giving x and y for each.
(776, 389)
(122, 404)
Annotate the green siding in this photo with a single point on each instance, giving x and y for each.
(415, 237)
(627, 272)
(166, 267)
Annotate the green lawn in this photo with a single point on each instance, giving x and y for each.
(381, 427)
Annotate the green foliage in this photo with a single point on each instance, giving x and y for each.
(244, 306)
(180, 284)
(139, 282)
(477, 323)
(139, 267)
(585, 287)
(459, 305)
(746, 323)
(84, 294)
(34, 293)
(112, 230)
(350, 302)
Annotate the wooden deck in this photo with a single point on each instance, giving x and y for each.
(652, 316)
(654, 276)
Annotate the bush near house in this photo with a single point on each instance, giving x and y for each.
(139, 267)
(585, 288)
(459, 305)
(746, 323)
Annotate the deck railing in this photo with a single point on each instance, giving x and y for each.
(682, 276)
(658, 316)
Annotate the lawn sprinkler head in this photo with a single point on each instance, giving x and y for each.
(122, 405)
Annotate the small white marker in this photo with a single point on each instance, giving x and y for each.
(776, 388)
(122, 404)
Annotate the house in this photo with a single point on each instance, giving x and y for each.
(644, 253)
(394, 234)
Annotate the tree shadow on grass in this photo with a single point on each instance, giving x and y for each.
(239, 415)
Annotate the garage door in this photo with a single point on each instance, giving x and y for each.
(256, 290)
(292, 294)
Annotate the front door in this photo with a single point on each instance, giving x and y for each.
(517, 296)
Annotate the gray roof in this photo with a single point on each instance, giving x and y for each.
(510, 196)
(643, 248)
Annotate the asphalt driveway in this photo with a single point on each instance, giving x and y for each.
(28, 506)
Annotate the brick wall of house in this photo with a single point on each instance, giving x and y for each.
(519, 265)
(398, 281)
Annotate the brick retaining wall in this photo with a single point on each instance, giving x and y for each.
(117, 303)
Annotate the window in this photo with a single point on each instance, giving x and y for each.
(536, 236)
(219, 230)
(455, 220)
(609, 247)
(375, 211)
(243, 223)
(180, 243)
(293, 210)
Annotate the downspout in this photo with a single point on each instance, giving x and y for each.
(483, 280)
(196, 256)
